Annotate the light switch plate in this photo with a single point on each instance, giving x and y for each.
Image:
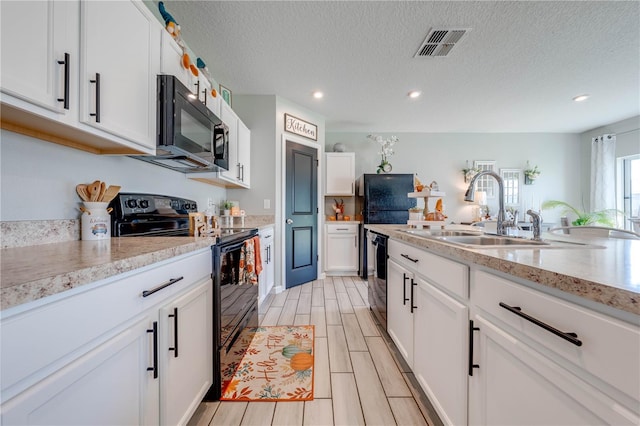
(267, 204)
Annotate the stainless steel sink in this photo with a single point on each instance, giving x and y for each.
(477, 240)
(441, 233)
(484, 241)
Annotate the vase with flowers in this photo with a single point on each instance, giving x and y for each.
(386, 151)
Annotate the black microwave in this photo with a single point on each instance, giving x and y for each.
(190, 138)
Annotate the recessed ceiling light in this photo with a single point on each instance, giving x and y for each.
(318, 95)
(414, 93)
(581, 98)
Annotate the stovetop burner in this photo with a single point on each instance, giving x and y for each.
(137, 214)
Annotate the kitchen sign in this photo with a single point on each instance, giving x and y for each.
(300, 127)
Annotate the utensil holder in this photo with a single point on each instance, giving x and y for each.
(95, 221)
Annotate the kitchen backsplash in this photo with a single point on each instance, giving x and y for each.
(25, 233)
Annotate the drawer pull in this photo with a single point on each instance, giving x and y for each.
(174, 315)
(342, 229)
(570, 337)
(413, 283)
(404, 288)
(154, 330)
(471, 364)
(161, 286)
(406, 256)
(65, 99)
(97, 83)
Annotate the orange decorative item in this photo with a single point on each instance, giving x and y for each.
(301, 361)
(186, 62)
(214, 93)
(194, 70)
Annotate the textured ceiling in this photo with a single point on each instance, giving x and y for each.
(515, 71)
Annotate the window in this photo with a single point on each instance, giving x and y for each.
(512, 181)
(486, 183)
(630, 174)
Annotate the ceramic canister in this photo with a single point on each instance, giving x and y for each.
(95, 221)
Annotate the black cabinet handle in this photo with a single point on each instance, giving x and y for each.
(161, 286)
(242, 172)
(471, 364)
(404, 288)
(568, 336)
(175, 332)
(197, 84)
(413, 284)
(406, 256)
(154, 330)
(238, 176)
(97, 113)
(204, 94)
(65, 99)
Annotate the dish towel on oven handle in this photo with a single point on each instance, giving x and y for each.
(250, 261)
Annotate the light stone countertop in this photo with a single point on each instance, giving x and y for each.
(609, 275)
(33, 272)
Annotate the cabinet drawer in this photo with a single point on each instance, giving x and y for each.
(446, 274)
(609, 350)
(342, 228)
(41, 339)
(453, 277)
(407, 256)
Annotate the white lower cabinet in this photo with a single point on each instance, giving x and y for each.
(400, 317)
(115, 353)
(488, 350)
(186, 371)
(341, 249)
(267, 278)
(513, 384)
(440, 351)
(108, 384)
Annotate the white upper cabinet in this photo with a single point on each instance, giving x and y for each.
(341, 173)
(118, 68)
(70, 77)
(171, 59)
(39, 48)
(244, 154)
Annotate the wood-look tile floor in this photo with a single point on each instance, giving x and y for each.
(360, 377)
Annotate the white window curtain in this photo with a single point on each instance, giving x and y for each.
(603, 172)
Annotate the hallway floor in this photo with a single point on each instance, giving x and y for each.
(359, 376)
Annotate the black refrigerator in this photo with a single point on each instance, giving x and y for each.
(382, 198)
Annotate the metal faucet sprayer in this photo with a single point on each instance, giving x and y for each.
(470, 196)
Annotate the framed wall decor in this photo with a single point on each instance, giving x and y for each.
(226, 94)
(300, 127)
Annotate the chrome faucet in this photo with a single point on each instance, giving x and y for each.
(470, 195)
(536, 223)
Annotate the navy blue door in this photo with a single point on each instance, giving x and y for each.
(301, 214)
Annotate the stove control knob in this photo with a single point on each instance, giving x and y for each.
(144, 203)
(132, 203)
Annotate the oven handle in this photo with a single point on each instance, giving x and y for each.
(161, 286)
(232, 247)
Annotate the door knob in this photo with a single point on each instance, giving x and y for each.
(289, 221)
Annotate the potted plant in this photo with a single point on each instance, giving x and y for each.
(469, 172)
(226, 208)
(603, 217)
(531, 174)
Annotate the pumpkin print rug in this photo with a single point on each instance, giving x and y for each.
(277, 366)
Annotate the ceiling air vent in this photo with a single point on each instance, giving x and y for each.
(439, 42)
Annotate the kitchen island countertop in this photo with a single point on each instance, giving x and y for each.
(609, 275)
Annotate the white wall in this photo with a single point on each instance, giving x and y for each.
(38, 179)
(442, 156)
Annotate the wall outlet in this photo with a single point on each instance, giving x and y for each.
(267, 204)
